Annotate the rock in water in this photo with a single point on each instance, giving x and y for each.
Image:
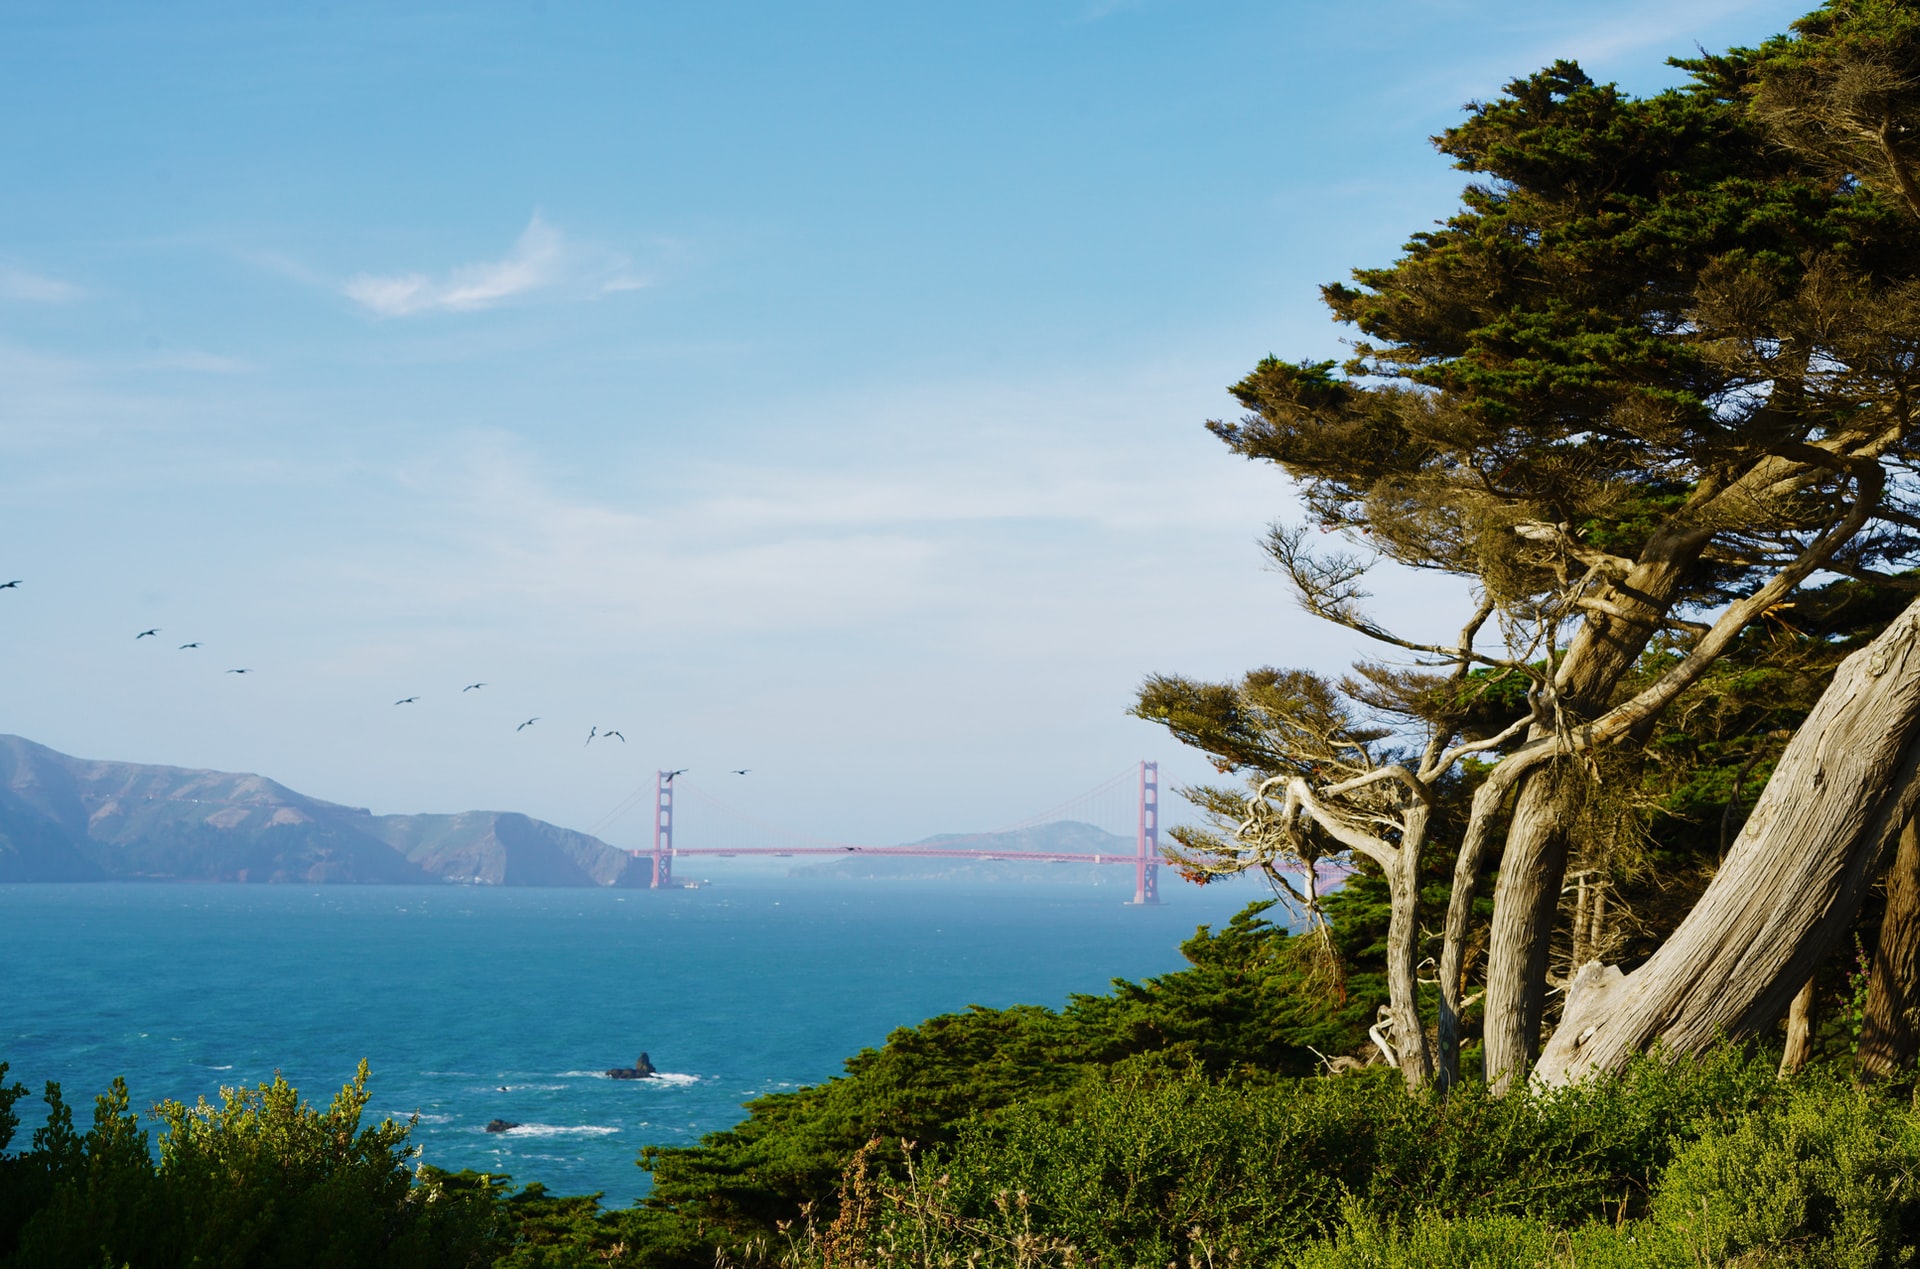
(500, 1125)
(642, 1069)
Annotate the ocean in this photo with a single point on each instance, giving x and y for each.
(474, 1003)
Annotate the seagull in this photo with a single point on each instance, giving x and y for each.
(591, 733)
(605, 734)
(469, 687)
(239, 671)
(530, 722)
(10, 585)
(185, 646)
(671, 774)
(741, 770)
(406, 700)
(147, 633)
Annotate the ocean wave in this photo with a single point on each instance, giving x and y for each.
(208, 1066)
(557, 1130)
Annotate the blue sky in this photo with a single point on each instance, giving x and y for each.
(815, 388)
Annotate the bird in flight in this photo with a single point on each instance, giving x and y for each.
(185, 646)
(10, 585)
(605, 734)
(671, 774)
(147, 634)
(741, 770)
(530, 722)
(591, 733)
(239, 671)
(406, 700)
(469, 687)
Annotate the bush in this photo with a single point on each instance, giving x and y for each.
(260, 1179)
(1712, 1162)
(1154, 1165)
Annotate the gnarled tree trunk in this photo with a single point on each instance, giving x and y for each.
(1790, 887)
(1887, 1040)
(1526, 898)
(1403, 880)
(1533, 862)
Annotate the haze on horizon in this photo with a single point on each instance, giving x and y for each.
(811, 389)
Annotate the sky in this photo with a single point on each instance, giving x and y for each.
(814, 388)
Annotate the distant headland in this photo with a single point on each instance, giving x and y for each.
(77, 819)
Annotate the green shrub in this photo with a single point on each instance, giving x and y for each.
(259, 1180)
(1155, 1165)
(1829, 1174)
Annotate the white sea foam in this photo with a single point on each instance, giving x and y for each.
(658, 1077)
(556, 1130)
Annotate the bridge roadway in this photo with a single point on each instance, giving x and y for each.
(913, 852)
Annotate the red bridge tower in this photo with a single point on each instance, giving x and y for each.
(1146, 864)
(663, 830)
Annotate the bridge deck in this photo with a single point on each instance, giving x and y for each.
(909, 852)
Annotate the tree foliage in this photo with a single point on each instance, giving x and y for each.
(1653, 376)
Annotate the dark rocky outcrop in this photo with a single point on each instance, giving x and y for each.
(642, 1069)
(501, 1125)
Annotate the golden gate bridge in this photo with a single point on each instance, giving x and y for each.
(1137, 788)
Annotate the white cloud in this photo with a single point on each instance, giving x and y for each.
(543, 259)
(36, 288)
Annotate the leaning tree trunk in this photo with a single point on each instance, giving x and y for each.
(1526, 898)
(1887, 1040)
(1533, 861)
(1403, 946)
(1789, 889)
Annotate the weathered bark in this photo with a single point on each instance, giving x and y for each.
(1887, 1040)
(1526, 898)
(1401, 865)
(1468, 863)
(1790, 888)
(1599, 654)
(1533, 864)
(1799, 1030)
(1403, 888)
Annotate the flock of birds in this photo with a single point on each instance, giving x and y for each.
(594, 733)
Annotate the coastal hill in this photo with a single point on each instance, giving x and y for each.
(79, 819)
(76, 819)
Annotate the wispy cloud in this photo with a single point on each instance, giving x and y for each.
(542, 260)
(36, 288)
(1664, 26)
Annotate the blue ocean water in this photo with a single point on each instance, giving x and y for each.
(474, 1003)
